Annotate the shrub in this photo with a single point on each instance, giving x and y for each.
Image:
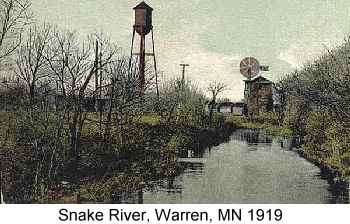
(218, 120)
(315, 138)
(236, 120)
(267, 117)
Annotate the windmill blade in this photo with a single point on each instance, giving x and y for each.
(249, 67)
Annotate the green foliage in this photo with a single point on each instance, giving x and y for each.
(318, 107)
(169, 154)
(177, 142)
(315, 138)
(181, 104)
(149, 119)
(286, 132)
(266, 121)
(267, 117)
(327, 141)
(296, 116)
(103, 190)
(218, 120)
(338, 144)
(190, 114)
(238, 121)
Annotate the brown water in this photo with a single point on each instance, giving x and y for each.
(250, 168)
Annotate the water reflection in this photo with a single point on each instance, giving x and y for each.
(251, 168)
(251, 137)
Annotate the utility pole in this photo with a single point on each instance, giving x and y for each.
(183, 73)
(96, 69)
(101, 105)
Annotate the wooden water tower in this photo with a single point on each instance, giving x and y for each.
(143, 26)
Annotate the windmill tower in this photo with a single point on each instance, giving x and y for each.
(143, 26)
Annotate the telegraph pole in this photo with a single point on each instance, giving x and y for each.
(100, 92)
(183, 73)
(96, 70)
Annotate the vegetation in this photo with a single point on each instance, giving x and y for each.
(63, 137)
(60, 142)
(266, 121)
(315, 106)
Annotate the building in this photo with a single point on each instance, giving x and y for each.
(259, 96)
(227, 108)
(233, 108)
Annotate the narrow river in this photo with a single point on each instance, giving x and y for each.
(250, 168)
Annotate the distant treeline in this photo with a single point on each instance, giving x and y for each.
(315, 106)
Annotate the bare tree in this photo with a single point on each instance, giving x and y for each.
(31, 62)
(73, 65)
(32, 70)
(126, 103)
(14, 15)
(214, 88)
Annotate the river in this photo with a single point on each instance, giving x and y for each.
(250, 168)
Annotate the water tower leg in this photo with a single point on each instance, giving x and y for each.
(142, 64)
(132, 47)
(155, 65)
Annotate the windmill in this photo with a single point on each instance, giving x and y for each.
(257, 92)
(249, 68)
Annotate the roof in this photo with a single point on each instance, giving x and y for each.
(260, 79)
(143, 5)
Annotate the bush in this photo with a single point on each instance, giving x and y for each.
(296, 116)
(218, 120)
(338, 143)
(238, 121)
(268, 117)
(103, 190)
(181, 104)
(315, 138)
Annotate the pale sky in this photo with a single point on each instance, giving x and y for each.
(214, 35)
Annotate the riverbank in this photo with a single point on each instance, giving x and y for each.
(252, 167)
(149, 153)
(153, 157)
(333, 174)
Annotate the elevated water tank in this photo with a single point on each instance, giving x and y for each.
(143, 18)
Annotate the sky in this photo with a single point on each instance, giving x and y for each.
(213, 36)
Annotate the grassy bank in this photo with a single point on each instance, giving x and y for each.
(162, 144)
(322, 142)
(153, 157)
(315, 105)
(267, 122)
(148, 153)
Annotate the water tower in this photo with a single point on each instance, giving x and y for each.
(143, 26)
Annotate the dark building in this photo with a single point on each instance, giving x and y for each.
(259, 96)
